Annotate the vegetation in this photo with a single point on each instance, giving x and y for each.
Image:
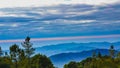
(98, 61)
(24, 58)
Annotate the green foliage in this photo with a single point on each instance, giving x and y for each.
(103, 62)
(3, 64)
(72, 64)
(41, 61)
(14, 53)
(98, 61)
(20, 58)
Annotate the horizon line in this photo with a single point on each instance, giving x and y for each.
(62, 38)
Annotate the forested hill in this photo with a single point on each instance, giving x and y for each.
(98, 60)
(76, 56)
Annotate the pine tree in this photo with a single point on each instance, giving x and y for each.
(1, 53)
(112, 51)
(99, 55)
(93, 60)
(94, 54)
(29, 50)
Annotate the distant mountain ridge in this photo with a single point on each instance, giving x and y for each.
(74, 47)
(62, 48)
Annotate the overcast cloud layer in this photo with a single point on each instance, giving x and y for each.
(38, 3)
(73, 19)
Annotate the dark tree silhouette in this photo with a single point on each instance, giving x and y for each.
(112, 51)
(1, 53)
(72, 64)
(94, 54)
(99, 55)
(14, 53)
(29, 50)
(21, 54)
(41, 61)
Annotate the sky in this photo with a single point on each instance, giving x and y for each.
(59, 20)
(38, 3)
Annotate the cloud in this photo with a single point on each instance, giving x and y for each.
(62, 38)
(72, 14)
(10, 25)
(2, 24)
(13, 14)
(60, 20)
(63, 21)
(38, 3)
(14, 25)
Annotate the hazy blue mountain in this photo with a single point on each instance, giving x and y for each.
(62, 48)
(60, 59)
(74, 47)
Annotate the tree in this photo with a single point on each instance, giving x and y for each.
(118, 55)
(21, 58)
(99, 55)
(112, 51)
(14, 53)
(29, 50)
(6, 54)
(72, 64)
(93, 60)
(41, 61)
(94, 54)
(1, 53)
(21, 54)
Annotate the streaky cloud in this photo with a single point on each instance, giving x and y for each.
(62, 38)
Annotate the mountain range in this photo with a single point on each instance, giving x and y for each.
(74, 47)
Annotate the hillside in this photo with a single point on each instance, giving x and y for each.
(60, 59)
